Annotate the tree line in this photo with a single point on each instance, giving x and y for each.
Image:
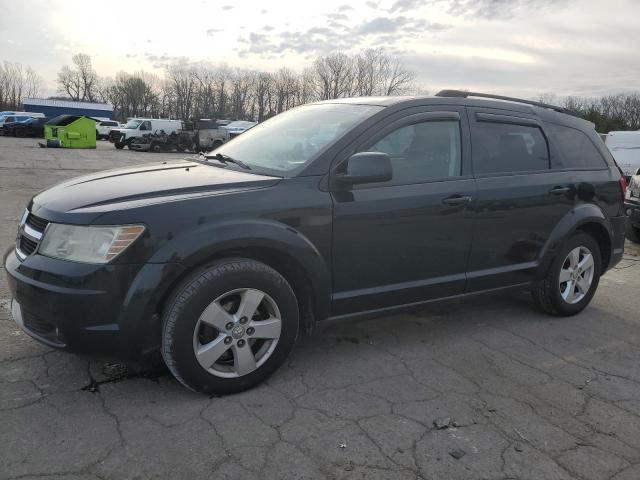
(189, 91)
(16, 83)
(611, 112)
(218, 91)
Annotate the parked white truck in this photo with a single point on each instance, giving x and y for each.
(137, 127)
(625, 148)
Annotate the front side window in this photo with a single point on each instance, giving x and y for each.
(422, 151)
(505, 148)
(576, 148)
(145, 126)
(133, 124)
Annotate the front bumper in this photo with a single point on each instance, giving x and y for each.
(91, 308)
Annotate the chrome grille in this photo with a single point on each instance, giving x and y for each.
(29, 234)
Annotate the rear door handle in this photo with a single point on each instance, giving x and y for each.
(454, 200)
(559, 190)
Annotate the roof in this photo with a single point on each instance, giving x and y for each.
(380, 101)
(46, 102)
(63, 120)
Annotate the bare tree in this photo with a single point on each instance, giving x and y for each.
(81, 81)
(16, 83)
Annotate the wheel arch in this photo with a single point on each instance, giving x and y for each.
(277, 245)
(587, 218)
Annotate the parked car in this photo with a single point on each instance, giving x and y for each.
(238, 127)
(31, 127)
(137, 127)
(104, 127)
(339, 209)
(632, 207)
(625, 148)
(28, 114)
(6, 119)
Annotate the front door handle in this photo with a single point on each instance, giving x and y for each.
(559, 190)
(455, 200)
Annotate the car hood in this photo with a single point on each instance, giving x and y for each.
(142, 185)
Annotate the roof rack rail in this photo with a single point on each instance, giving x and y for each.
(465, 94)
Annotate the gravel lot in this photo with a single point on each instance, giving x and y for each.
(516, 394)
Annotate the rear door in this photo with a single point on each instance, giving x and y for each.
(406, 240)
(520, 200)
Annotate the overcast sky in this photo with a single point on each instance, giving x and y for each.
(514, 47)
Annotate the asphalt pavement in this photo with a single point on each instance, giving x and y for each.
(487, 388)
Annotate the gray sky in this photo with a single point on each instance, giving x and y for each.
(514, 47)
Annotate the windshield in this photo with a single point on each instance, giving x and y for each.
(285, 143)
(133, 124)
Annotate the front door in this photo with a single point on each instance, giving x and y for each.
(406, 240)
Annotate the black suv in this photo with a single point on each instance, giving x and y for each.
(344, 208)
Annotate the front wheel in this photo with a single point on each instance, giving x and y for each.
(229, 326)
(573, 278)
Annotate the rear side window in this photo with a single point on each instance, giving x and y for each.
(577, 150)
(505, 147)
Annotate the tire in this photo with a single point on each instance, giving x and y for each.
(633, 233)
(222, 288)
(216, 144)
(552, 296)
(119, 145)
(19, 132)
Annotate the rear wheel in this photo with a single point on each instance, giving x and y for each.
(573, 278)
(119, 145)
(633, 233)
(229, 326)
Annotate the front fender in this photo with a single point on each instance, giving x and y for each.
(209, 240)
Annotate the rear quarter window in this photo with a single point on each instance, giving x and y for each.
(576, 149)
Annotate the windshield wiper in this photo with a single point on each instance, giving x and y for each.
(222, 158)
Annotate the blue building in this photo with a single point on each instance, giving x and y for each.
(53, 108)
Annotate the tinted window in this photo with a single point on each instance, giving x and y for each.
(423, 151)
(503, 147)
(576, 148)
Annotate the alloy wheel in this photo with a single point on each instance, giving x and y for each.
(576, 275)
(237, 333)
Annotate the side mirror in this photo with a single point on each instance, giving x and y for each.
(366, 167)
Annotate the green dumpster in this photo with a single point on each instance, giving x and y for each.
(70, 131)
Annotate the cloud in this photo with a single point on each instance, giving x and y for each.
(228, 7)
(212, 31)
(494, 9)
(344, 8)
(406, 5)
(406, 25)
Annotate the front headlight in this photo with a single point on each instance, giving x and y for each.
(90, 244)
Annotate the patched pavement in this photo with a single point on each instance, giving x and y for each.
(487, 388)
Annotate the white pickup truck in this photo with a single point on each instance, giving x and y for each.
(137, 127)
